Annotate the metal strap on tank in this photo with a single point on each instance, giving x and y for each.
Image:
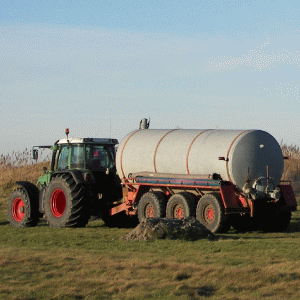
(121, 159)
(227, 158)
(188, 153)
(154, 159)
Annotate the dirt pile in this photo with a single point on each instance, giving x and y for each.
(188, 229)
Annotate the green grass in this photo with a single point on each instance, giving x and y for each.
(95, 263)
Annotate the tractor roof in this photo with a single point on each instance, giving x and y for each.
(88, 141)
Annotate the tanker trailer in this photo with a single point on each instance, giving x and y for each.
(223, 178)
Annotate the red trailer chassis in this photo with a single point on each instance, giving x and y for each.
(234, 202)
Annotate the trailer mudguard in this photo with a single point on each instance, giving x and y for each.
(288, 196)
(230, 200)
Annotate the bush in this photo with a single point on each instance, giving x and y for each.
(292, 166)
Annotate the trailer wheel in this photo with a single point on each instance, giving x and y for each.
(272, 217)
(22, 210)
(65, 203)
(152, 205)
(243, 223)
(181, 205)
(210, 212)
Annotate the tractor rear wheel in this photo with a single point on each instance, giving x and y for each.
(22, 211)
(65, 203)
(181, 205)
(210, 212)
(152, 205)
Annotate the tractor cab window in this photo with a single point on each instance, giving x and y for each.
(77, 156)
(62, 163)
(100, 157)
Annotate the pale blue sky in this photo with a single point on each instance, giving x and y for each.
(188, 64)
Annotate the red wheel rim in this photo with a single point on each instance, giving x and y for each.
(18, 209)
(149, 211)
(209, 213)
(178, 212)
(58, 203)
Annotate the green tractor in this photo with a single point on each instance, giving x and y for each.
(81, 183)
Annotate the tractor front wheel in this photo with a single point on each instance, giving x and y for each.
(65, 203)
(22, 211)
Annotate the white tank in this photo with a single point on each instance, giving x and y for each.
(198, 151)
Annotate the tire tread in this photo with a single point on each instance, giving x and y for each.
(78, 214)
(31, 215)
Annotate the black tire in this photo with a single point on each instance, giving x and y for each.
(243, 223)
(210, 213)
(181, 205)
(152, 205)
(272, 217)
(22, 210)
(65, 203)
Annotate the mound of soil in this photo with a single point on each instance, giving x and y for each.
(188, 229)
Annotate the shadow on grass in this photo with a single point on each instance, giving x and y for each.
(205, 291)
(4, 223)
(294, 225)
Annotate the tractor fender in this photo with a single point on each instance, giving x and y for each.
(31, 190)
(76, 174)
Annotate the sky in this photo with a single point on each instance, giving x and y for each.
(99, 67)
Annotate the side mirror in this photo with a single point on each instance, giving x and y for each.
(35, 154)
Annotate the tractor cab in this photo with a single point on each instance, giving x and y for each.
(93, 158)
(93, 154)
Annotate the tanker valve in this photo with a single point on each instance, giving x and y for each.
(249, 191)
(275, 194)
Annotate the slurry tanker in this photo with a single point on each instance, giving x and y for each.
(223, 178)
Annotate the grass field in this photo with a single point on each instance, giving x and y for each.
(94, 263)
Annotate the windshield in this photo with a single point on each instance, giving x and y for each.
(63, 158)
(99, 157)
(77, 156)
(93, 157)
